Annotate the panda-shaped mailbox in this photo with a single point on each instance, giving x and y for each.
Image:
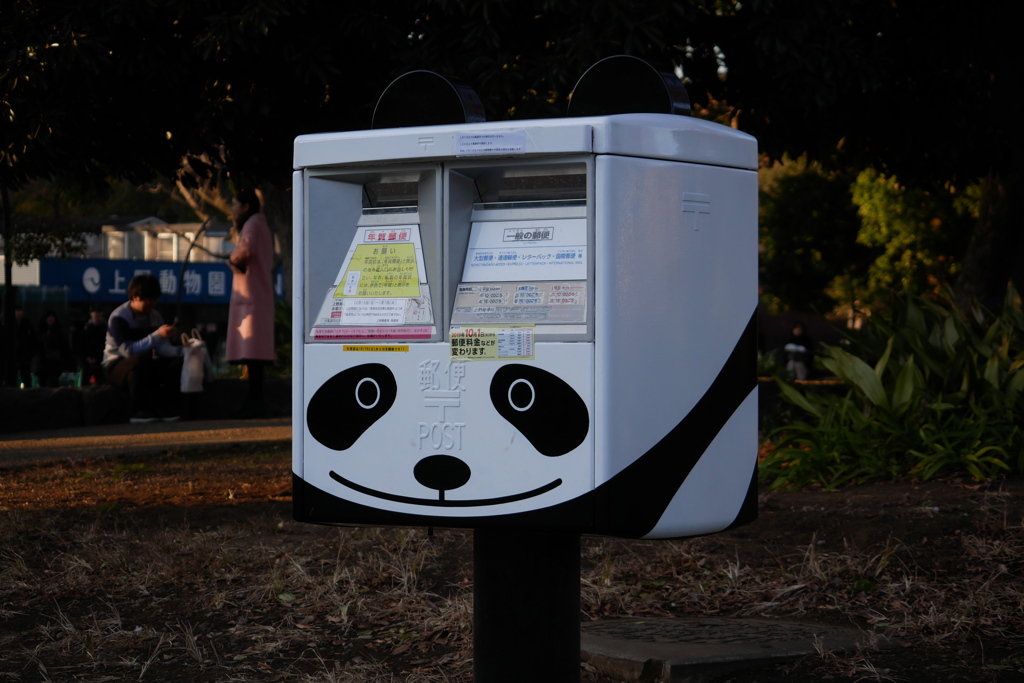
(543, 324)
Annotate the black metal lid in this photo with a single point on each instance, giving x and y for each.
(424, 98)
(627, 85)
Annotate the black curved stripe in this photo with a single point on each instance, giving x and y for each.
(632, 502)
(444, 503)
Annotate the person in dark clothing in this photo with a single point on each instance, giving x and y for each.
(24, 347)
(799, 352)
(91, 342)
(139, 357)
(51, 351)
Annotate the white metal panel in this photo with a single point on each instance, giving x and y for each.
(671, 301)
(298, 313)
(655, 136)
(554, 136)
(676, 138)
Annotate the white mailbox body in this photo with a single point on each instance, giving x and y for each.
(541, 324)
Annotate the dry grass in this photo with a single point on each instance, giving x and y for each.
(164, 587)
(206, 604)
(959, 594)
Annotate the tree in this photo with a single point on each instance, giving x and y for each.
(130, 89)
(925, 91)
(917, 233)
(38, 57)
(808, 232)
(119, 88)
(836, 241)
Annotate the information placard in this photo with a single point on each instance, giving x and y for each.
(339, 310)
(381, 282)
(492, 342)
(562, 302)
(392, 234)
(479, 143)
(381, 271)
(529, 250)
(328, 333)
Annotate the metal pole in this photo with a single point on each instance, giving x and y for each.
(526, 607)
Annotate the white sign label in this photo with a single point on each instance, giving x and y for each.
(382, 281)
(524, 251)
(491, 342)
(381, 236)
(375, 311)
(537, 302)
(490, 142)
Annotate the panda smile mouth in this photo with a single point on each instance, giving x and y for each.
(441, 501)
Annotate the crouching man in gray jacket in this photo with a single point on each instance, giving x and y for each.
(138, 355)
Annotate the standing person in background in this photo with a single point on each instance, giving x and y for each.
(51, 352)
(800, 352)
(23, 341)
(250, 334)
(94, 335)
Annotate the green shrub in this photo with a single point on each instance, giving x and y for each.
(930, 391)
(283, 336)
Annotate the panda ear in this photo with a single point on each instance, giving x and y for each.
(542, 406)
(623, 84)
(346, 405)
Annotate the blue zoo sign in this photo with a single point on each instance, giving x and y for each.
(106, 280)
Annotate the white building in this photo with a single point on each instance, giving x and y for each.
(145, 239)
(152, 239)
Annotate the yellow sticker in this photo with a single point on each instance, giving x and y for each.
(491, 342)
(381, 271)
(359, 347)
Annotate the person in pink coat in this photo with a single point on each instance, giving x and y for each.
(250, 337)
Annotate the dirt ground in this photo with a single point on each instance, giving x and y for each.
(188, 567)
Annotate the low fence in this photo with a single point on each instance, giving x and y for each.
(28, 410)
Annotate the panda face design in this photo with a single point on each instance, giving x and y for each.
(424, 441)
(540, 416)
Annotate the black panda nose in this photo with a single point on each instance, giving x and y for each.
(441, 473)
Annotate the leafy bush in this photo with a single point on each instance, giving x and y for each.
(768, 365)
(283, 335)
(929, 392)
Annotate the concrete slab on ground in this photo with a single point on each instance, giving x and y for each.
(699, 649)
(95, 441)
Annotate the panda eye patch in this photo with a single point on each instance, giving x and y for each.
(542, 406)
(346, 405)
